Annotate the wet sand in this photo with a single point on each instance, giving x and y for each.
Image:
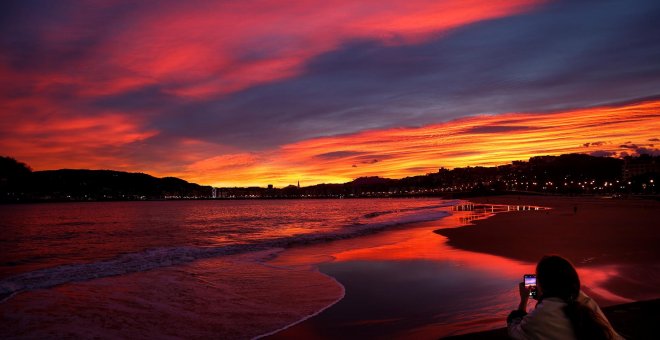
(444, 278)
(229, 297)
(585, 230)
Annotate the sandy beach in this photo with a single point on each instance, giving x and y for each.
(584, 229)
(403, 283)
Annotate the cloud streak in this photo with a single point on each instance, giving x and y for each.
(412, 151)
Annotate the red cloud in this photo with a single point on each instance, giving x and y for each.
(205, 48)
(190, 49)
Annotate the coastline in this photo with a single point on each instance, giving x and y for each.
(587, 230)
(623, 236)
(415, 244)
(339, 298)
(378, 267)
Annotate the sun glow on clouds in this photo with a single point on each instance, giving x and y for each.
(396, 153)
(207, 49)
(201, 49)
(82, 142)
(96, 86)
(197, 50)
(218, 48)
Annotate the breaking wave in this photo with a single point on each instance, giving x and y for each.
(170, 256)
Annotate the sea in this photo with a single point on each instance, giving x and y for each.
(246, 269)
(176, 268)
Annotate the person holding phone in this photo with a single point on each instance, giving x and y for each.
(563, 311)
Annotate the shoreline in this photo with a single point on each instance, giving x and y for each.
(185, 254)
(307, 317)
(632, 320)
(318, 256)
(585, 230)
(364, 249)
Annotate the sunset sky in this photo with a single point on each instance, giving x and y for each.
(273, 92)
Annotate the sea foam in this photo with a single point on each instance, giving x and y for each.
(170, 256)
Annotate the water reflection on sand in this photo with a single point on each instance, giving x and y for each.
(409, 282)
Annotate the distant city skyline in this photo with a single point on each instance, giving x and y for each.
(260, 92)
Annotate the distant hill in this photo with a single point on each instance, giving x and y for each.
(18, 183)
(572, 174)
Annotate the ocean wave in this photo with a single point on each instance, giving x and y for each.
(171, 256)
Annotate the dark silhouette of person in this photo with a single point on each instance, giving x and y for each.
(563, 311)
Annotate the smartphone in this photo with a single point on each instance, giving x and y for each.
(530, 283)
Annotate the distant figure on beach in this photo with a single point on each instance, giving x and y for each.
(562, 311)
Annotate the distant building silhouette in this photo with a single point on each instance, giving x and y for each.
(635, 166)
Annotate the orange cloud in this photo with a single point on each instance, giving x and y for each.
(396, 153)
(54, 137)
(123, 142)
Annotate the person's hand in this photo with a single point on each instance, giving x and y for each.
(523, 290)
(524, 296)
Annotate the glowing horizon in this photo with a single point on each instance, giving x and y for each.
(396, 153)
(473, 141)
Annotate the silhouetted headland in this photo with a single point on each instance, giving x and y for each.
(19, 184)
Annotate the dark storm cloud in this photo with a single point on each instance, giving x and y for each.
(565, 55)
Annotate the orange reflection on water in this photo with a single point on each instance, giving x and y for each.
(409, 283)
(420, 243)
